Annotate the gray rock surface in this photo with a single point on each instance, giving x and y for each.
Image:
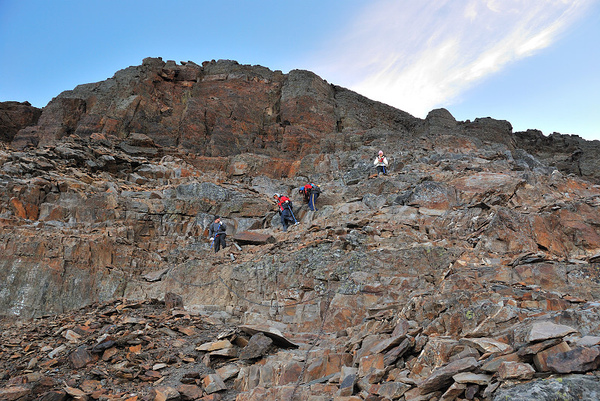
(575, 387)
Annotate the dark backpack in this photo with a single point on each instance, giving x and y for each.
(315, 188)
(286, 205)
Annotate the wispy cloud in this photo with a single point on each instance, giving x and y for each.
(419, 55)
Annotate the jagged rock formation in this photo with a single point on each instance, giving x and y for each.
(471, 268)
(569, 153)
(224, 109)
(15, 116)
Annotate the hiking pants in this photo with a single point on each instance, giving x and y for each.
(312, 199)
(219, 242)
(381, 169)
(286, 218)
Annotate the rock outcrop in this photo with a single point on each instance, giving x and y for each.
(218, 109)
(571, 154)
(469, 271)
(14, 116)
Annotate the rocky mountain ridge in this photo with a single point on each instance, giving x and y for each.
(470, 271)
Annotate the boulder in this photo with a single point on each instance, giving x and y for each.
(577, 360)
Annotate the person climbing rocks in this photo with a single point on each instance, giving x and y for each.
(311, 192)
(285, 211)
(381, 163)
(217, 233)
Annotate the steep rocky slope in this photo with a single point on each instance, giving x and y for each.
(471, 271)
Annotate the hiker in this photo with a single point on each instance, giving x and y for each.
(311, 192)
(285, 210)
(381, 163)
(217, 232)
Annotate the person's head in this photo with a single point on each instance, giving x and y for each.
(276, 196)
(381, 153)
(301, 190)
(217, 219)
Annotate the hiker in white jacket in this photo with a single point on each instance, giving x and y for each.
(381, 163)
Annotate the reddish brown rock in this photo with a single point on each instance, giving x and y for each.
(289, 373)
(165, 393)
(541, 358)
(15, 116)
(577, 360)
(493, 363)
(24, 210)
(532, 349)
(371, 365)
(13, 393)
(80, 357)
(221, 108)
(515, 371)
(190, 392)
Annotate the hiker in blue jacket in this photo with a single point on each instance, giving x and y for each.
(217, 233)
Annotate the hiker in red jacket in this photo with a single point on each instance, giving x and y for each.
(285, 210)
(311, 192)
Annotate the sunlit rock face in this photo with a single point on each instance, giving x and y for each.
(434, 279)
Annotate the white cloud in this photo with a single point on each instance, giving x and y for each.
(419, 55)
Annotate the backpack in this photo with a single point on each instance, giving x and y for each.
(285, 203)
(315, 188)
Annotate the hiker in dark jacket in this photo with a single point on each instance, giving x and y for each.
(311, 192)
(217, 233)
(285, 210)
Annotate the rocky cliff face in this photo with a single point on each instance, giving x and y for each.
(223, 109)
(469, 271)
(569, 153)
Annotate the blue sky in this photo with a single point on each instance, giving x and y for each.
(535, 63)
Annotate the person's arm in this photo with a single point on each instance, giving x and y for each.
(385, 161)
(211, 233)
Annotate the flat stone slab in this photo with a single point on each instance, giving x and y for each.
(253, 238)
(487, 345)
(271, 332)
(588, 341)
(545, 330)
(477, 378)
(156, 275)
